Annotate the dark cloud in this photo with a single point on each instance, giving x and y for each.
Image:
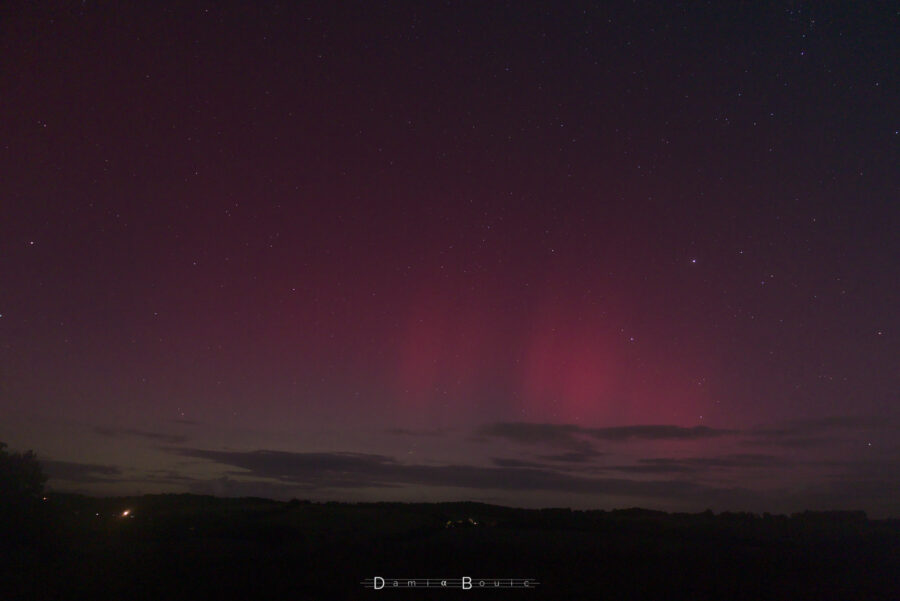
(656, 433)
(330, 470)
(799, 434)
(788, 442)
(845, 493)
(572, 456)
(652, 468)
(664, 465)
(557, 435)
(679, 481)
(738, 460)
(821, 432)
(876, 468)
(79, 472)
(155, 436)
(322, 469)
(231, 487)
(405, 432)
(845, 422)
(574, 437)
(167, 476)
(226, 486)
(514, 463)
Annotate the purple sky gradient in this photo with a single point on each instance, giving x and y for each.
(592, 256)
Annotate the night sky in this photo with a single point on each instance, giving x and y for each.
(536, 254)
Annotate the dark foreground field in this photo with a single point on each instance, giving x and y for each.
(196, 547)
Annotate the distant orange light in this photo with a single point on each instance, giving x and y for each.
(125, 513)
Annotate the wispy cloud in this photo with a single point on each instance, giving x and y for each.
(353, 470)
(821, 432)
(577, 438)
(126, 432)
(406, 432)
(557, 435)
(572, 456)
(79, 472)
(503, 462)
(652, 468)
(738, 460)
(654, 432)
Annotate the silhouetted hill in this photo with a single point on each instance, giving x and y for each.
(202, 547)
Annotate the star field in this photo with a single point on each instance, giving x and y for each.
(390, 230)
